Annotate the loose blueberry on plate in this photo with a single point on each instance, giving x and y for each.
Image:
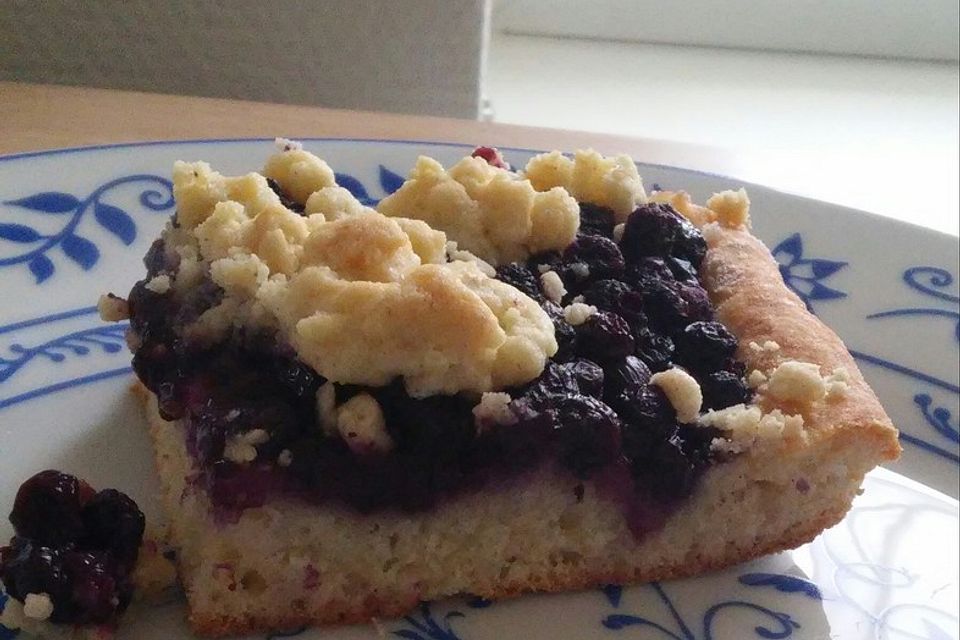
(72, 546)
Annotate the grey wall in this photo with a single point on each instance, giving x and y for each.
(416, 56)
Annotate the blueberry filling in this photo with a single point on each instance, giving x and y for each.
(73, 544)
(591, 409)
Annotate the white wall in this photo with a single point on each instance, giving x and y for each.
(413, 57)
(914, 29)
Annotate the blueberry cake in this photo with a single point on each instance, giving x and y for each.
(497, 381)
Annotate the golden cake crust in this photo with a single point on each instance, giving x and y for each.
(751, 299)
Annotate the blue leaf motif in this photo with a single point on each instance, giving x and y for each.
(81, 251)
(18, 233)
(825, 268)
(41, 267)
(354, 186)
(390, 181)
(476, 602)
(822, 292)
(116, 221)
(792, 247)
(47, 202)
(783, 583)
(613, 593)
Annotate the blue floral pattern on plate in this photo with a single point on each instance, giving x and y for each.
(73, 210)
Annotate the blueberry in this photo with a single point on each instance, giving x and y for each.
(664, 305)
(682, 270)
(723, 389)
(735, 367)
(604, 336)
(563, 331)
(539, 262)
(98, 590)
(606, 294)
(28, 567)
(666, 473)
(596, 220)
(556, 380)
(651, 230)
(690, 246)
(648, 409)
(696, 441)
(296, 376)
(656, 229)
(591, 258)
(47, 508)
(517, 275)
(705, 346)
(697, 301)
(628, 376)
(520, 446)
(589, 433)
(588, 376)
(616, 296)
(654, 349)
(114, 522)
(643, 271)
(157, 260)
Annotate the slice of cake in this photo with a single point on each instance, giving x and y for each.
(497, 382)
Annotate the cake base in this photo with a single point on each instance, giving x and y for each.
(289, 564)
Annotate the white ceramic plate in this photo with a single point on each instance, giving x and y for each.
(76, 223)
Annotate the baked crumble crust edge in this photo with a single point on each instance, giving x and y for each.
(852, 433)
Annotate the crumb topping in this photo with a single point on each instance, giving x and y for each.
(756, 378)
(611, 182)
(493, 409)
(242, 448)
(487, 210)
(552, 286)
(362, 426)
(748, 427)
(683, 392)
(160, 284)
(732, 208)
(769, 346)
(796, 382)
(112, 309)
(578, 312)
(362, 297)
(37, 606)
(837, 383)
